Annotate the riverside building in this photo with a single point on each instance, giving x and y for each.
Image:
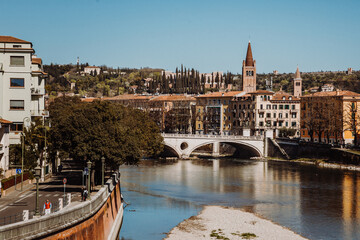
(22, 85)
(330, 117)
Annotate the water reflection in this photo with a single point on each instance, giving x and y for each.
(317, 203)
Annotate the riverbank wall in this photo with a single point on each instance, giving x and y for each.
(98, 218)
(296, 150)
(305, 149)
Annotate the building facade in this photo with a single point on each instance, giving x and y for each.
(214, 112)
(331, 117)
(22, 85)
(4, 144)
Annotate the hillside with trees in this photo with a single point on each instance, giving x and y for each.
(112, 82)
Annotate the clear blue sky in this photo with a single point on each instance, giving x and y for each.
(209, 35)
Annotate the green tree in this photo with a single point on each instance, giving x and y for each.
(88, 131)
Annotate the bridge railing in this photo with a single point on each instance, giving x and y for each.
(177, 135)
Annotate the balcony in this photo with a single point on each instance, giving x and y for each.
(37, 91)
(39, 113)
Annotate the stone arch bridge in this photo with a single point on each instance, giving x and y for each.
(182, 145)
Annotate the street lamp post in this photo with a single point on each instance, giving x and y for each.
(22, 151)
(102, 171)
(89, 167)
(37, 176)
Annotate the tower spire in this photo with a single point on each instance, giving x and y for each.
(249, 58)
(297, 74)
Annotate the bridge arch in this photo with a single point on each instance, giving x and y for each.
(170, 151)
(252, 151)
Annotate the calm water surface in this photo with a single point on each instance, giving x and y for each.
(317, 203)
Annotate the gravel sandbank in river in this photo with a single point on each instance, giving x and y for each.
(215, 222)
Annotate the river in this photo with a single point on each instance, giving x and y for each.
(317, 203)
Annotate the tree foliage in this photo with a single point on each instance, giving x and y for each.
(88, 131)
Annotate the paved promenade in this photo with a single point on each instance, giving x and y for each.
(53, 189)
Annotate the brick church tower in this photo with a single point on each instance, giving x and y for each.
(249, 72)
(297, 84)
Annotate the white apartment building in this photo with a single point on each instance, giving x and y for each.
(22, 85)
(264, 112)
(92, 70)
(4, 144)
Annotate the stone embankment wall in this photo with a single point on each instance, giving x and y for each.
(315, 151)
(99, 218)
(305, 150)
(344, 157)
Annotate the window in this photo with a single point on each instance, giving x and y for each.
(280, 124)
(286, 123)
(286, 115)
(293, 124)
(229, 118)
(268, 106)
(261, 124)
(280, 115)
(16, 46)
(275, 106)
(268, 115)
(293, 107)
(293, 115)
(286, 106)
(17, 104)
(199, 125)
(281, 106)
(17, 61)
(16, 127)
(261, 107)
(297, 84)
(16, 82)
(239, 106)
(261, 115)
(274, 115)
(274, 124)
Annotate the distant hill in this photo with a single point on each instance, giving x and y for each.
(111, 81)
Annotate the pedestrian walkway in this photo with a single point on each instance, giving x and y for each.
(13, 204)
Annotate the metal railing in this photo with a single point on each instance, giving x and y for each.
(178, 135)
(39, 113)
(11, 219)
(18, 217)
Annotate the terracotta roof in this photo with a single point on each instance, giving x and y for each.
(221, 94)
(39, 72)
(261, 92)
(36, 61)
(128, 97)
(297, 74)
(279, 96)
(90, 99)
(173, 98)
(333, 93)
(3, 121)
(249, 58)
(9, 39)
